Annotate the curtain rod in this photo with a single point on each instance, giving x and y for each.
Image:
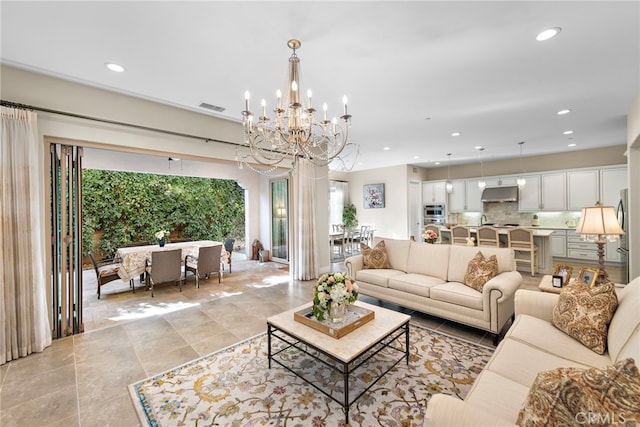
(11, 104)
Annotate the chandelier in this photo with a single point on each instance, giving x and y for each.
(295, 131)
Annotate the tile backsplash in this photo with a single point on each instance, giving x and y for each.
(507, 213)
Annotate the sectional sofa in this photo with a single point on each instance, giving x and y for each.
(534, 345)
(429, 278)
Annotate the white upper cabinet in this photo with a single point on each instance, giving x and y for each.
(501, 182)
(474, 196)
(434, 192)
(583, 189)
(529, 194)
(457, 198)
(611, 182)
(553, 194)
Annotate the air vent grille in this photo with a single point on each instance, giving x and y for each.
(212, 107)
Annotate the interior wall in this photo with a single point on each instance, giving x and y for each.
(392, 220)
(633, 162)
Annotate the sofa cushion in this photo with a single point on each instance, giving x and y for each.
(498, 394)
(397, 251)
(379, 277)
(457, 294)
(461, 255)
(480, 270)
(414, 284)
(623, 339)
(428, 259)
(584, 313)
(542, 335)
(565, 396)
(375, 257)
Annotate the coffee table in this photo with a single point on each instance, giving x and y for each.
(342, 355)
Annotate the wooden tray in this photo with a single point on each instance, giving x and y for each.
(355, 317)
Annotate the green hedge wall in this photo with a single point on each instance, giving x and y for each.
(129, 207)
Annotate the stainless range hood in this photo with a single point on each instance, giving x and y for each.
(500, 194)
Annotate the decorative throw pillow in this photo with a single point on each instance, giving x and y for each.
(480, 270)
(375, 257)
(573, 396)
(584, 313)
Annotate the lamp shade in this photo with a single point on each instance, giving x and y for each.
(599, 220)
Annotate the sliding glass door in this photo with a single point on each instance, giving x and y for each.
(280, 220)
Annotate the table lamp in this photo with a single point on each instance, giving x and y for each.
(596, 224)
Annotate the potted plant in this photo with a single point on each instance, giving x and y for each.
(349, 215)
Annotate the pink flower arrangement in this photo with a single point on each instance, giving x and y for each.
(333, 287)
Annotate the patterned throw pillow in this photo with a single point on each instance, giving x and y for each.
(375, 257)
(594, 397)
(584, 313)
(480, 270)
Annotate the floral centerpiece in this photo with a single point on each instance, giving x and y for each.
(162, 237)
(430, 236)
(333, 293)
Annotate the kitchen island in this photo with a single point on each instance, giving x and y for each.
(541, 238)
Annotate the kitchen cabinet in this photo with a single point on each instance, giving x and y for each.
(553, 194)
(529, 194)
(582, 189)
(580, 249)
(473, 196)
(559, 244)
(611, 251)
(458, 198)
(611, 182)
(434, 192)
(501, 182)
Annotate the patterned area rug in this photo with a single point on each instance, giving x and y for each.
(235, 387)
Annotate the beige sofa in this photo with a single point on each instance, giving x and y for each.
(534, 345)
(428, 278)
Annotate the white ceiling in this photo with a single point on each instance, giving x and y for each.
(471, 67)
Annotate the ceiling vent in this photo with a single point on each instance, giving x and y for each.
(212, 107)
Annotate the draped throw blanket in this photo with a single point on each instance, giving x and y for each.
(303, 260)
(24, 323)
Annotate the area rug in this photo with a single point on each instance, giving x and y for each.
(235, 387)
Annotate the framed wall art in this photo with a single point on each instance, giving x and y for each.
(373, 196)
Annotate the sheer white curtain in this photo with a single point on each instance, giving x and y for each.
(24, 323)
(338, 196)
(303, 260)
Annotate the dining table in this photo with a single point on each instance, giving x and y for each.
(133, 258)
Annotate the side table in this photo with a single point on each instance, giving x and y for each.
(546, 286)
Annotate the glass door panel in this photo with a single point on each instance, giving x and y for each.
(279, 220)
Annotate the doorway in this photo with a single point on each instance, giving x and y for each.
(280, 220)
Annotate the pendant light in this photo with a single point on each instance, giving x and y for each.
(521, 181)
(482, 183)
(448, 185)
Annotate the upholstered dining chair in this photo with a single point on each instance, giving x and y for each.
(228, 246)
(165, 266)
(521, 240)
(206, 263)
(460, 234)
(488, 236)
(106, 271)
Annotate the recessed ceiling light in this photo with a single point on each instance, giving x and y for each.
(114, 67)
(416, 157)
(563, 112)
(437, 163)
(479, 147)
(573, 144)
(548, 34)
(456, 134)
(387, 148)
(567, 132)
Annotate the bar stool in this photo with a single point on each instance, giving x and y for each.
(488, 236)
(521, 240)
(460, 234)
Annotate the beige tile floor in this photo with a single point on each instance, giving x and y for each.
(82, 380)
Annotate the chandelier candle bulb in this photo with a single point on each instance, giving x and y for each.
(324, 108)
(344, 101)
(279, 99)
(247, 95)
(309, 96)
(264, 109)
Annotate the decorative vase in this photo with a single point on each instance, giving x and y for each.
(161, 242)
(432, 241)
(337, 312)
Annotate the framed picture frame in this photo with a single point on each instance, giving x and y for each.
(588, 276)
(373, 196)
(563, 271)
(556, 281)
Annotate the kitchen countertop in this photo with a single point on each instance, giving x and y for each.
(537, 231)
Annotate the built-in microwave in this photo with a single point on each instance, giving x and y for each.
(434, 210)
